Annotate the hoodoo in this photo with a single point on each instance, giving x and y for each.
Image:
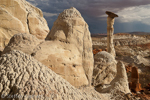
(110, 31)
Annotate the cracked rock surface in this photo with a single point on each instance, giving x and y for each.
(19, 16)
(25, 78)
(120, 82)
(104, 68)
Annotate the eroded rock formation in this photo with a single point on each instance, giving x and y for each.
(110, 31)
(23, 42)
(104, 68)
(120, 82)
(67, 49)
(70, 34)
(22, 77)
(18, 16)
(70, 28)
(134, 84)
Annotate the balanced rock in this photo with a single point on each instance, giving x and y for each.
(24, 78)
(18, 16)
(104, 68)
(22, 42)
(110, 31)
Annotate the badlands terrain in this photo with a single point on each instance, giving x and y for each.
(38, 63)
(132, 49)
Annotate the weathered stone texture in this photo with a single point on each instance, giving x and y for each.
(67, 49)
(25, 78)
(22, 42)
(104, 68)
(18, 16)
(119, 83)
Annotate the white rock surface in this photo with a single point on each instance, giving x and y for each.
(68, 48)
(22, 42)
(19, 16)
(120, 82)
(24, 78)
(70, 56)
(64, 59)
(104, 68)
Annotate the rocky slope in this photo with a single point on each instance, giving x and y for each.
(19, 16)
(25, 78)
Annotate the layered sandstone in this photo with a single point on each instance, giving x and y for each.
(19, 16)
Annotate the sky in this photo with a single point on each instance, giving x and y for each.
(134, 15)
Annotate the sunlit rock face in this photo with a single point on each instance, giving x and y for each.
(19, 16)
(23, 78)
(67, 49)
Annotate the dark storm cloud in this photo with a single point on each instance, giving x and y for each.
(91, 10)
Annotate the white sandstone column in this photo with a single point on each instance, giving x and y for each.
(110, 31)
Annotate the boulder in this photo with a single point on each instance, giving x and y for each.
(119, 83)
(71, 28)
(104, 68)
(24, 78)
(69, 47)
(23, 42)
(19, 16)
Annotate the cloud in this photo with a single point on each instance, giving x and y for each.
(93, 11)
(49, 14)
(137, 13)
